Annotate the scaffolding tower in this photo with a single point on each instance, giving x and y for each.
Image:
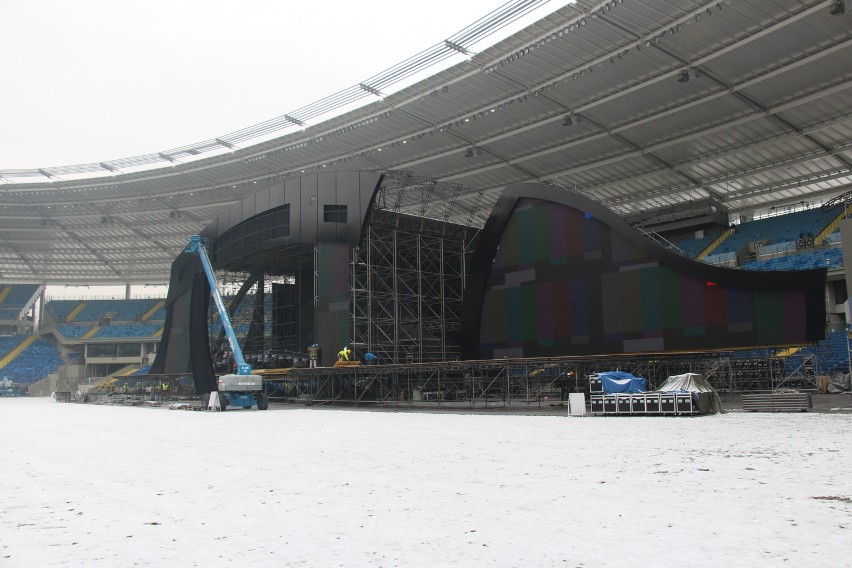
(408, 273)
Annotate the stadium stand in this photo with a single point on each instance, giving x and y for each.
(792, 241)
(72, 331)
(117, 310)
(107, 319)
(15, 297)
(91, 311)
(692, 247)
(127, 330)
(28, 359)
(778, 229)
(61, 310)
(827, 356)
(831, 258)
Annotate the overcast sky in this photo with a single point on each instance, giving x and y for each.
(96, 80)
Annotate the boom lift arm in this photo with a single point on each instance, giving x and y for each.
(196, 246)
(243, 388)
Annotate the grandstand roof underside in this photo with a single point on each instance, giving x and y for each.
(672, 101)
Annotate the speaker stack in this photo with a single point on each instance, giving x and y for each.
(644, 403)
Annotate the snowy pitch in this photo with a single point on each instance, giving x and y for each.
(86, 485)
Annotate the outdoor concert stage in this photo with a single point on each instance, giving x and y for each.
(513, 382)
(459, 310)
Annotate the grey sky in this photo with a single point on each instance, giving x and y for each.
(95, 80)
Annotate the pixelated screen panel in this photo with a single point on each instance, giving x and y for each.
(562, 282)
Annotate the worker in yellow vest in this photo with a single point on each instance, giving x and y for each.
(343, 354)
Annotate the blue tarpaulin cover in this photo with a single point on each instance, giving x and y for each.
(619, 381)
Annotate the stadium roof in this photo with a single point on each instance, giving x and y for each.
(641, 105)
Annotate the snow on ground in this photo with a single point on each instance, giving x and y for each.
(86, 485)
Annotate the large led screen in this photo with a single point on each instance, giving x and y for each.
(562, 279)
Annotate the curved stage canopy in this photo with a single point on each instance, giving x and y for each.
(552, 273)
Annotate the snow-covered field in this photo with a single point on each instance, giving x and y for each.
(90, 485)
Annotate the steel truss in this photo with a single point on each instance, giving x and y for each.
(408, 274)
(249, 302)
(500, 383)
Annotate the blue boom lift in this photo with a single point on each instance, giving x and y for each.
(243, 388)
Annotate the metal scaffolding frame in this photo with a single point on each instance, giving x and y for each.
(406, 277)
(407, 292)
(408, 273)
(247, 313)
(499, 383)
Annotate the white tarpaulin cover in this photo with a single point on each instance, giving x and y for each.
(704, 395)
(839, 382)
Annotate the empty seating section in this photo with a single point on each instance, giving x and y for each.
(61, 309)
(158, 315)
(694, 247)
(786, 243)
(831, 258)
(778, 229)
(32, 364)
(825, 357)
(9, 343)
(14, 297)
(72, 331)
(127, 318)
(127, 330)
(117, 310)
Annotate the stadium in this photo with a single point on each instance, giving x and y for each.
(659, 189)
(679, 126)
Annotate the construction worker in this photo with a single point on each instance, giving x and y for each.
(343, 354)
(370, 358)
(313, 355)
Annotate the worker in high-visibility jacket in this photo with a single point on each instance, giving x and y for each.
(343, 354)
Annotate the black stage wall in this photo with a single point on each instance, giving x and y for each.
(275, 231)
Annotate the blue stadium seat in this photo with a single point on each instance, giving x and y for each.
(17, 298)
(780, 228)
(33, 364)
